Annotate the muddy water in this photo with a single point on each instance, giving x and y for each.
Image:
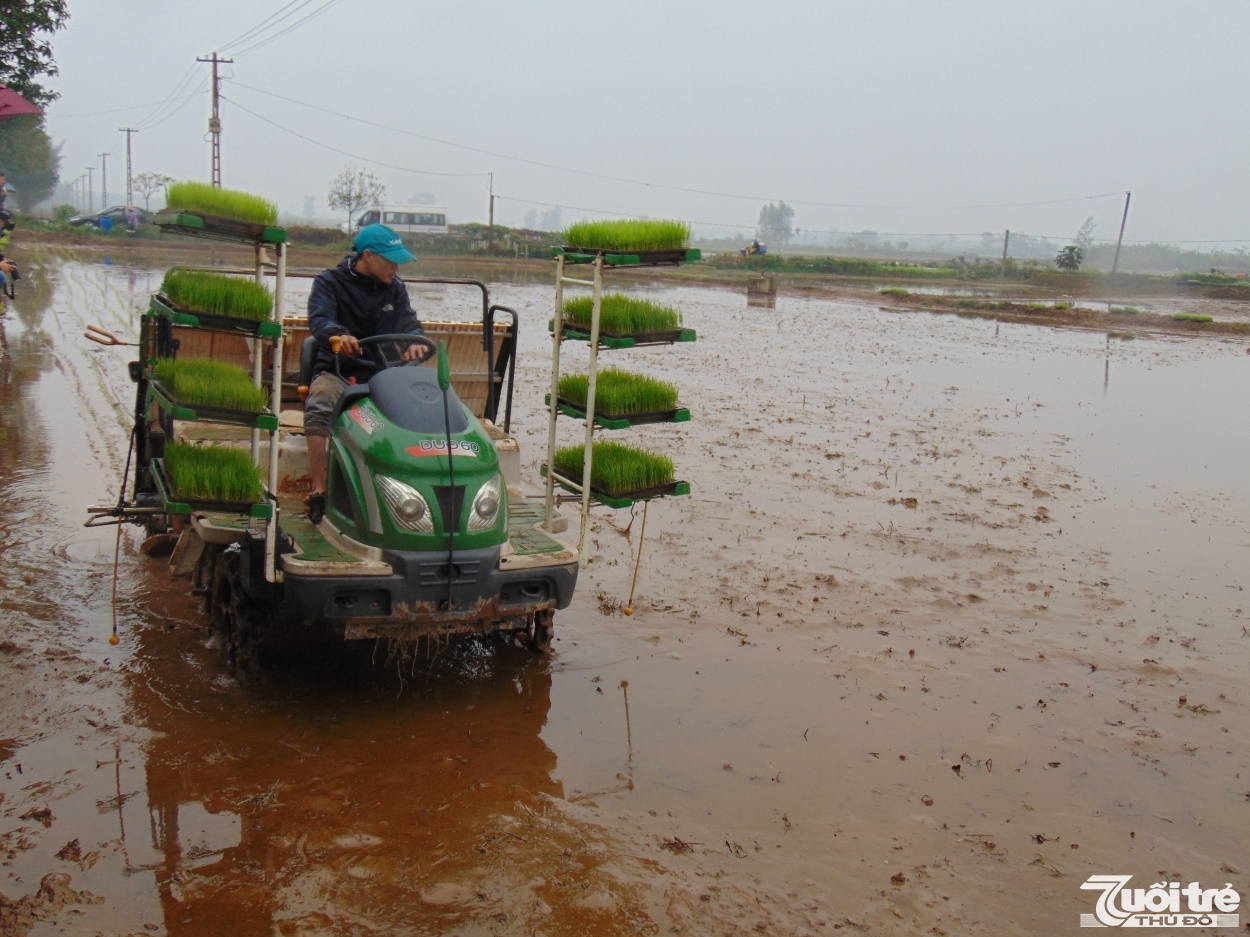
(915, 544)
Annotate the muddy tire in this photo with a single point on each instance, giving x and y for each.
(541, 631)
(237, 618)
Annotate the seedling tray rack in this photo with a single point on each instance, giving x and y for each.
(156, 341)
(181, 410)
(627, 258)
(175, 503)
(560, 330)
(211, 322)
(622, 420)
(198, 224)
(620, 499)
(581, 333)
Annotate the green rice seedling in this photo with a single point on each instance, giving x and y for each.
(1191, 317)
(208, 383)
(1038, 306)
(623, 315)
(217, 294)
(1126, 310)
(619, 392)
(224, 203)
(616, 468)
(628, 234)
(212, 473)
(897, 291)
(1063, 305)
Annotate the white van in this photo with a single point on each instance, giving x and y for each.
(405, 219)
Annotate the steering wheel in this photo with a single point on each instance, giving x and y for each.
(380, 360)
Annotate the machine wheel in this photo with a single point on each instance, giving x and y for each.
(237, 617)
(541, 631)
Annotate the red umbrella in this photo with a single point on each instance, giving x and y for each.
(13, 104)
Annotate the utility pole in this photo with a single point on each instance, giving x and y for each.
(214, 122)
(1115, 263)
(130, 191)
(90, 190)
(104, 180)
(491, 233)
(1006, 240)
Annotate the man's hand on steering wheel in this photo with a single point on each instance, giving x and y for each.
(416, 353)
(349, 345)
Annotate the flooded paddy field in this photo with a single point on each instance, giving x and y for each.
(953, 619)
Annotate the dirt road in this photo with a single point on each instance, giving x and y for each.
(952, 620)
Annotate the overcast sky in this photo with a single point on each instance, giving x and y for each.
(881, 104)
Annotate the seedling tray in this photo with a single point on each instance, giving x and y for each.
(179, 410)
(580, 333)
(175, 503)
(180, 315)
(621, 258)
(197, 224)
(620, 420)
(621, 499)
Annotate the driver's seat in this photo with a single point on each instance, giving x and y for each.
(307, 357)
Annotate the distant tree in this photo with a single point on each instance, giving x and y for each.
(26, 47)
(776, 223)
(551, 220)
(1085, 235)
(310, 206)
(30, 159)
(1070, 258)
(148, 184)
(353, 189)
(989, 241)
(531, 220)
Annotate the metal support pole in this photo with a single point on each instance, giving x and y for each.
(90, 189)
(104, 180)
(275, 404)
(490, 234)
(553, 411)
(1123, 220)
(258, 353)
(1006, 240)
(130, 189)
(214, 122)
(592, 373)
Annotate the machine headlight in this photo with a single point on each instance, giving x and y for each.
(408, 508)
(486, 505)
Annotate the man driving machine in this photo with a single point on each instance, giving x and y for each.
(360, 298)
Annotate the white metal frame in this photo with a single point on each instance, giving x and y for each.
(553, 410)
(272, 574)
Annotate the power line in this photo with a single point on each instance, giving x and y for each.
(112, 110)
(658, 185)
(363, 159)
(293, 26)
(269, 20)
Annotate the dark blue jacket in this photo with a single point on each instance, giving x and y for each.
(344, 302)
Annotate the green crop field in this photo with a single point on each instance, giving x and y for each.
(628, 234)
(894, 291)
(619, 392)
(623, 315)
(213, 473)
(617, 468)
(217, 294)
(224, 203)
(1191, 317)
(207, 383)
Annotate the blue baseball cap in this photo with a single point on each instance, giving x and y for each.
(382, 241)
